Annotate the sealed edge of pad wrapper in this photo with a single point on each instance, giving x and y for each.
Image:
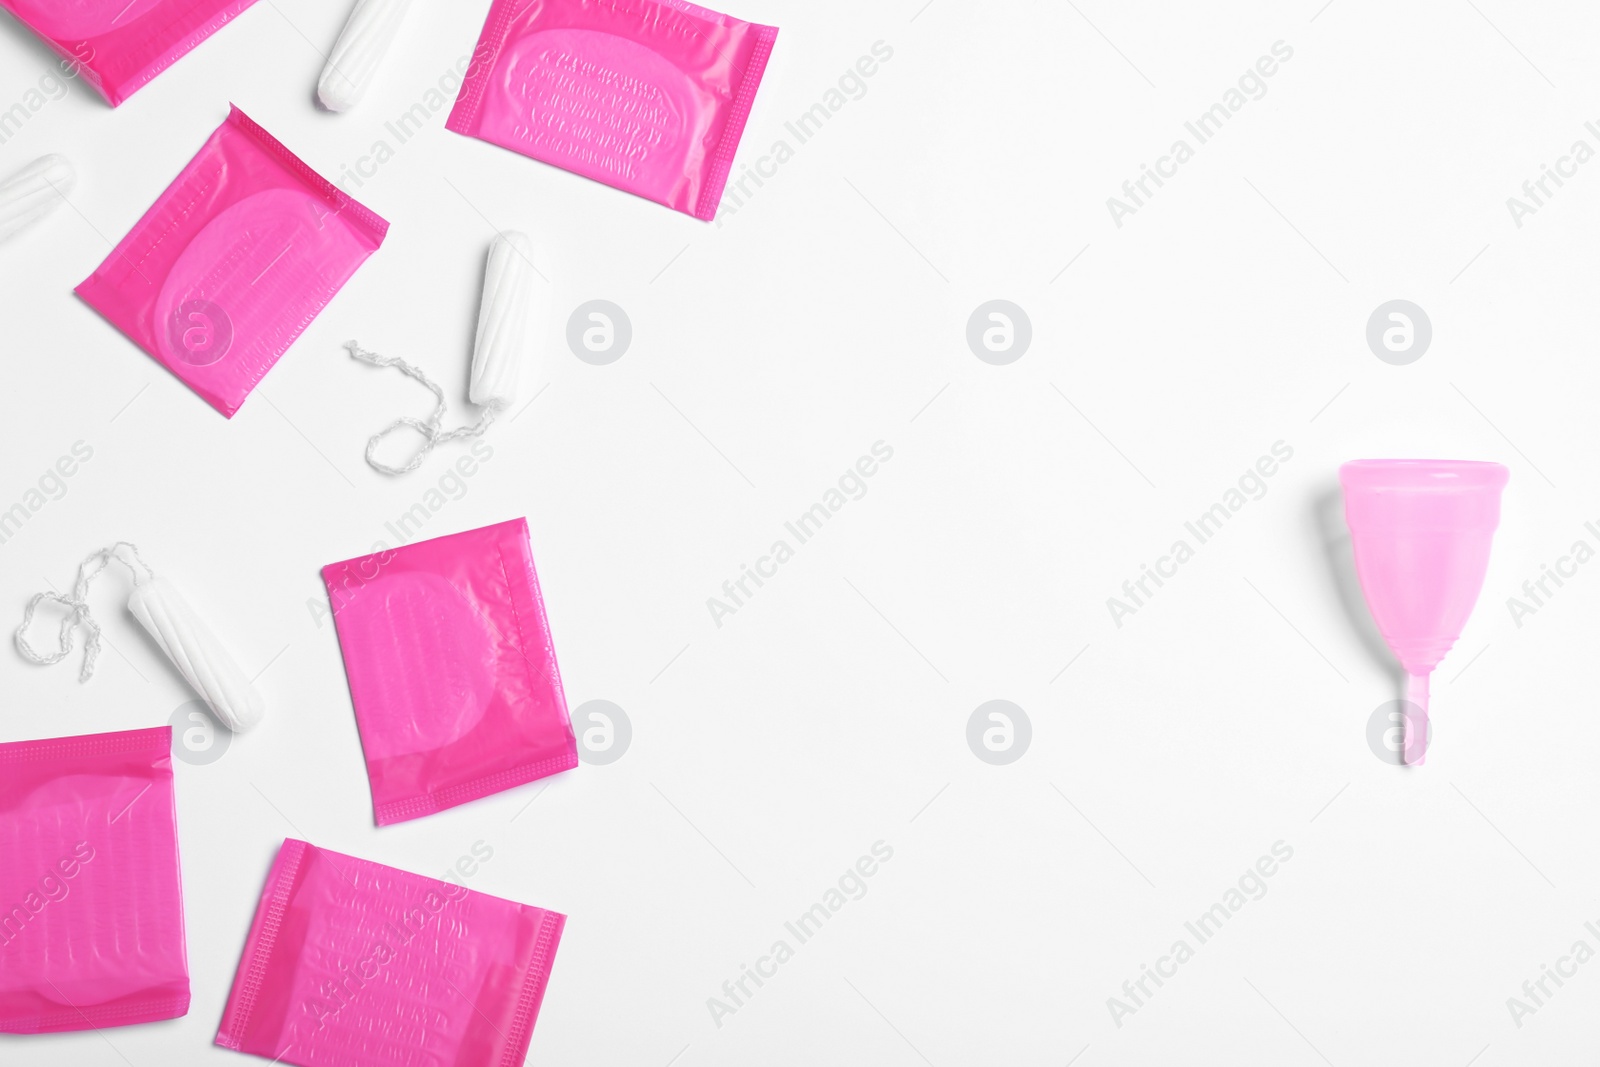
(733, 131)
(119, 92)
(258, 947)
(376, 228)
(155, 742)
(463, 117)
(455, 795)
(530, 997)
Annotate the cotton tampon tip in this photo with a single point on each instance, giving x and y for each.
(359, 51)
(34, 192)
(505, 320)
(191, 646)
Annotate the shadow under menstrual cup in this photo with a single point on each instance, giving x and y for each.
(1421, 530)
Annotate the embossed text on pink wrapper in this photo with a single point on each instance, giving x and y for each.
(648, 96)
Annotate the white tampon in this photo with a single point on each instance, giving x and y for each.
(359, 50)
(188, 643)
(505, 321)
(33, 192)
(197, 654)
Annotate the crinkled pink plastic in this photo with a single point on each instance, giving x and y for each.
(451, 670)
(233, 262)
(91, 902)
(119, 45)
(351, 963)
(648, 96)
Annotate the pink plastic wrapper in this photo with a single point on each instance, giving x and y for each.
(119, 45)
(91, 931)
(351, 962)
(648, 96)
(233, 262)
(451, 670)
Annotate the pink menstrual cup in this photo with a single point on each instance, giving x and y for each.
(1421, 531)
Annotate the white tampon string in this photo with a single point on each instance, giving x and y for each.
(33, 192)
(79, 613)
(505, 332)
(78, 603)
(208, 668)
(360, 49)
(432, 435)
(505, 320)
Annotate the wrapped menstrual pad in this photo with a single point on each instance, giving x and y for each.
(91, 931)
(232, 262)
(350, 963)
(451, 670)
(648, 96)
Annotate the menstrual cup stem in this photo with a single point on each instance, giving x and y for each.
(1416, 749)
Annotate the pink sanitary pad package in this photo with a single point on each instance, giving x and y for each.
(649, 96)
(351, 962)
(451, 670)
(91, 904)
(232, 262)
(119, 45)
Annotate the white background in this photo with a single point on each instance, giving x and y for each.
(830, 712)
